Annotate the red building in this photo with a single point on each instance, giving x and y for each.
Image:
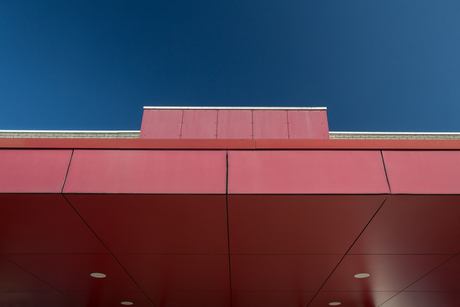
(229, 207)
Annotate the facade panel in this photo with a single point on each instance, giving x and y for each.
(142, 171)
(423, 172)
(33, 171)
(161, 124)
(306, 172)
(308, 124)
(234, 124)
(199, 124)
(270, 124)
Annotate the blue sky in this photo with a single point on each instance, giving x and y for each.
(383, 65)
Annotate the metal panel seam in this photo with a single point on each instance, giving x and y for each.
(419, 279)
(217, 121)
(252, 124)
(67, 172)
(108, 250)
(346, 253)
(287, 123)
(38, 278)
(228, 234)
(385, 169)
(181, 123)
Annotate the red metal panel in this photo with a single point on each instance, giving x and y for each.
(306, 172)
(423, 172)
(424, 299)
(157, 224)
(387, 272)
(33, 171)
(161, 124)
(308, 125)
(271, 299)
(43, 223)
(71, 272)
(15, 279)
(95, 298)
(270, 124)
(199, 124)
(358, 144)
(444, 278)
(61, 143)
(27, 299)
(140, 171)
(178, 273)
(127, 143)
(298, 224)
(413, 224)
(196, 298)
(234, 124)
(297, 273)
(322, 299)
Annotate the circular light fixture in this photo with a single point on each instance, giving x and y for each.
(362, 275)
(98, 275)
(335, 303)
(127, 303)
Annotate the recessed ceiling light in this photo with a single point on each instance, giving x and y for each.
(335, 303)
(362, 275)
(98, 275)
(126, 303)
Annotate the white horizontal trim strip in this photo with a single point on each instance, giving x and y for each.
(235, 108)
(387, 133)
(69, 131)
(138, 131)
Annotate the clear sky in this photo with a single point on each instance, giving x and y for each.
(380, 65)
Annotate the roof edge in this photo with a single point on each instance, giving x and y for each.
(70, 131)
(138, 131)
(396, 133)
(234, 108)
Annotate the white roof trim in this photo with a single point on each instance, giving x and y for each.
(386, 133)
(138, 131)
(69, 131)
(235, 108)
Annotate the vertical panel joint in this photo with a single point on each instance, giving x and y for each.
(181, 123)
(252, 124)
(217, 121)
(287, 123)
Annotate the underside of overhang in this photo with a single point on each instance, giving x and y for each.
(229, 227)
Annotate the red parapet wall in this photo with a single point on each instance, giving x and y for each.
(234, 124)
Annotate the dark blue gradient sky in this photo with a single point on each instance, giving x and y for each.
(390, 65)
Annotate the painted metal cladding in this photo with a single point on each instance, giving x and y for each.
(290, 224)
(147, 171)
(205, 172)
(248, 171)
(33, 171)
(306, 172)
(234, 124)
(237, 227)
(423, 172)
(156, 223)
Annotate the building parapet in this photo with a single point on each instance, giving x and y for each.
(134, 134)
(395, 135)
(69, 134)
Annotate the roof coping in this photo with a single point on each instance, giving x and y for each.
(234, 108)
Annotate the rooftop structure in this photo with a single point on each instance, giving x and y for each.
(232, 207)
